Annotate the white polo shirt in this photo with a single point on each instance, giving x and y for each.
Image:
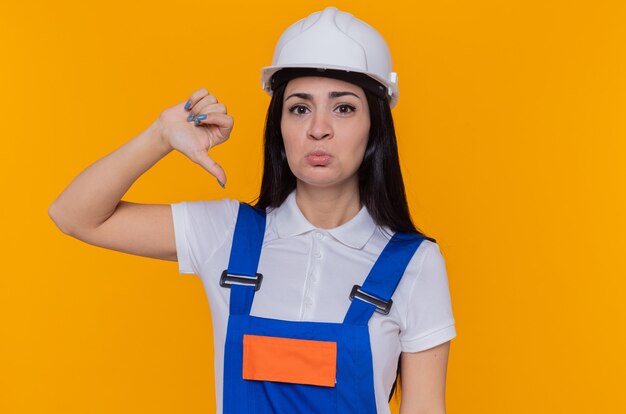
(308, 274)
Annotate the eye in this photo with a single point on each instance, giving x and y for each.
(299, 109)
(345, 108)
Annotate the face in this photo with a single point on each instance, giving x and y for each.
(325, 126)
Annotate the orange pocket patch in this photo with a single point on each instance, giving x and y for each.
(297, 361)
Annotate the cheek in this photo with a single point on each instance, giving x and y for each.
(287, 134)
(360, 144)
(290, 140)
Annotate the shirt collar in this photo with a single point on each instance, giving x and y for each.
(355, 233)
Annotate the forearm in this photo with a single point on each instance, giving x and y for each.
(92, 197)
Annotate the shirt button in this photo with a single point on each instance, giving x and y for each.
(318, 236)
(308, 302)
(314, 278)
(318, 255)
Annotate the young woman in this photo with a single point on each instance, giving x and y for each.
(324, 290)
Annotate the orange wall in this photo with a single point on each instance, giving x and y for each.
(512, 132)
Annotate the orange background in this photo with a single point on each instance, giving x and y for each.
(511, 126)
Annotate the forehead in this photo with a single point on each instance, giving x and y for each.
(311, 84)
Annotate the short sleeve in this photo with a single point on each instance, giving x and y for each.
(429, 320)
(200, 229)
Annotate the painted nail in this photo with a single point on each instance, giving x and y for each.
(221, 184)
(187, 104)
(190, 116)
(199, 118)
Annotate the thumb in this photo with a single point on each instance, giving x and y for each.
(212, 167)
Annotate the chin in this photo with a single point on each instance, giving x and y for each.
(321, 179)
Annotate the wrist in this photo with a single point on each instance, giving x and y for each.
(156, 134)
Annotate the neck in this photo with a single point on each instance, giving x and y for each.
(329, 207)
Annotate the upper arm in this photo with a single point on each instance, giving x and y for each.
(423, 380)
(426, 338)
(141, 229)
(429, 320)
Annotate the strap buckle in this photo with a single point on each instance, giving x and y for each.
(382, 306)
(228, 279)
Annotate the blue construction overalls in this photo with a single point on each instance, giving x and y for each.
(340, 353)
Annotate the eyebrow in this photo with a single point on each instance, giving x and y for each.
(309, 97)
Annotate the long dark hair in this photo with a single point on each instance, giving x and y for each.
(381, 188)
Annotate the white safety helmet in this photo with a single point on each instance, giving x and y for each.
(332, 39)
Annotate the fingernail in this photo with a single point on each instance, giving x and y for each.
(199, 118)
(221, 184)
(190, 116)
(188, 104)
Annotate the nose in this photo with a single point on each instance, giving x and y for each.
(320, 126)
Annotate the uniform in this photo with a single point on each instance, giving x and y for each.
(308, 275)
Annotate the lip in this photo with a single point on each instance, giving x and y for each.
(318, 158)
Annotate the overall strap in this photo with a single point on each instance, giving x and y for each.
(375, 293)
(241, 275)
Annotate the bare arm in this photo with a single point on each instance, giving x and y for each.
(90, 208)
(423, 379)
